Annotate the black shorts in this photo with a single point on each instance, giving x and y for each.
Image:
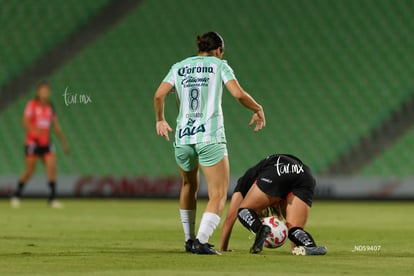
(303, 188)
(39, 151)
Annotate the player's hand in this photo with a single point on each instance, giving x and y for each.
(259, 119)
(163, 128)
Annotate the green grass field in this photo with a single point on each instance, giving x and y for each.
(144, 237)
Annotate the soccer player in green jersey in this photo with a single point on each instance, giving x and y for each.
(200, 140)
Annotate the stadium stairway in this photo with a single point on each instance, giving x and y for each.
(394, 161)
(373, 144)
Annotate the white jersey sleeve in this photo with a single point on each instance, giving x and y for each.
(227, 73)
(170, 77)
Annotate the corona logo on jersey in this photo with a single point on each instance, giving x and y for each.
(192, 81)
(183, 71)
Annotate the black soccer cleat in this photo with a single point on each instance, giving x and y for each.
(261, 235)
(307, 250)
(203, 248)
(189, 246)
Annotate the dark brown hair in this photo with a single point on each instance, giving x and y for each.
(209, 41)
(42, 83)
(39, 85)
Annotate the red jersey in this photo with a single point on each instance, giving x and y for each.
(40, 116)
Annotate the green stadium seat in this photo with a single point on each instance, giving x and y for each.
(33, 28)
(326, 72)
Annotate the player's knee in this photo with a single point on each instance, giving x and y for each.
(218, 195)
(291, 224)
(221, 201)
(300, 237)
(218, 200)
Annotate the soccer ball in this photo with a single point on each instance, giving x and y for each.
(278, 233)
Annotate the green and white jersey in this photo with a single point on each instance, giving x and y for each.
(198, 82)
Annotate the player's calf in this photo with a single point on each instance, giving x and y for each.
(305, 244)
(300, 237)
(249, 219)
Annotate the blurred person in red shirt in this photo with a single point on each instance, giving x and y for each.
(38, 118)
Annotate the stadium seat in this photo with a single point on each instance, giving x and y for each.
(33, 28)
(326, 73)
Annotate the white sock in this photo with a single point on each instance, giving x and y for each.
(188, 221)
(208, 224)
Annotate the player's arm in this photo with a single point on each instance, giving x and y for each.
(247, 101)
(231, 217)
(27, 114)
(27, 125)
(59, 133)
(162, 126)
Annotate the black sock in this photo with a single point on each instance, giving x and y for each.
(19, 189)
(249, 219)
(300, 237)
(52, 186)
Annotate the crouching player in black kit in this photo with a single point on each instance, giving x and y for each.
(278, 179)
